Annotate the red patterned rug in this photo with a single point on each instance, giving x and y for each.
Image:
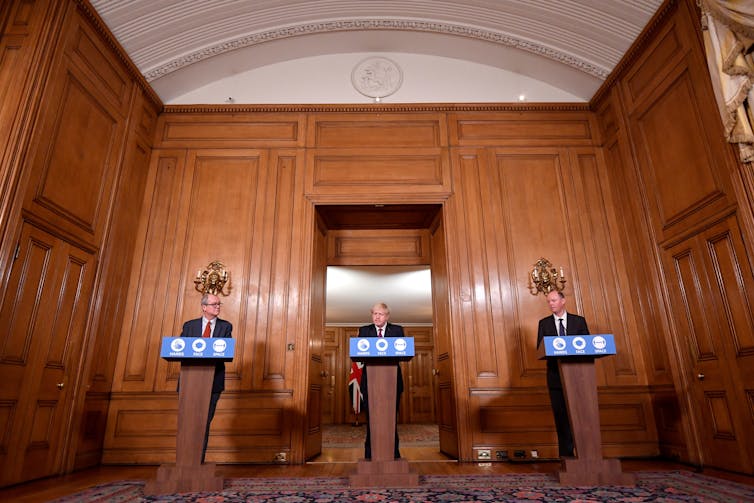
(410, 435)
(665, 487)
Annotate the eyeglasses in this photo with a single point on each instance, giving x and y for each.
(216, 304)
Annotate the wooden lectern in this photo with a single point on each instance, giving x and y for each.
(383, 470)
(578, 376)
(189, 474)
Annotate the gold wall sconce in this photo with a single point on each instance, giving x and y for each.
(545, 278)
(213, 279)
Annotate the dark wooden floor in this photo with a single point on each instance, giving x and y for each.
(336, 462)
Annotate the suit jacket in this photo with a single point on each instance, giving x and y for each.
(193, 328)
(575, 325)
(391, 330)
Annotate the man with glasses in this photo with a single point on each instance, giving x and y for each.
(209, 325)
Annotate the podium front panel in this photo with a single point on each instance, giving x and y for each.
(362, 348)
(198, 348)
(578, 345)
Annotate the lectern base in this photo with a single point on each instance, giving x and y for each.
(594, 472)
(173, 479)
(393, 473)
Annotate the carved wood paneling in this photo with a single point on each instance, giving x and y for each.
(78, 142)
(517, 129)
(632, 233)
(25, 53)
(378, 247)
(666, 51)
(513, 184)
(599, 258)
(683, 175)
(681, 157)
(703, 273)
(380, 174)
(241, 130)
(142, 428)
(377, 130)
(95, 61)
(45, 310)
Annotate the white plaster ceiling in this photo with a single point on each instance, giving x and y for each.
(183, 45)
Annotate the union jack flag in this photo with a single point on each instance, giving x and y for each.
(354, 384)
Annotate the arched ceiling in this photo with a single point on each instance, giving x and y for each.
(570, 44)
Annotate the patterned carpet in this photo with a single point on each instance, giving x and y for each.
(348, 435)
(665, 487)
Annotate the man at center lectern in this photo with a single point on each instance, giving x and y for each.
(561, 323)
(209, 325)
(380, 328)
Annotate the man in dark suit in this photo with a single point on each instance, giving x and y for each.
(563, 324)
(380, 328)
(209, 325)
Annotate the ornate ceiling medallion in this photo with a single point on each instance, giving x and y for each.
(377, 77)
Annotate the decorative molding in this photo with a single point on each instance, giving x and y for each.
(636, 49)
(377, 24)
(382, 107)
(377, 77)
(88, 12)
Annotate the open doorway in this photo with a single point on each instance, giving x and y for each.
(379, 253)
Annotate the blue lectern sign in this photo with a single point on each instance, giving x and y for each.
(181, 348)
(378, 347)
(579, 345)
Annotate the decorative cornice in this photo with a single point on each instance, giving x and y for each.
(377, 24)
(636, 49)
(382, 107)
(101, 28)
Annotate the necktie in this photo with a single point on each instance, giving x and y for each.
(207, 330)
(379, 332)
(561, 329)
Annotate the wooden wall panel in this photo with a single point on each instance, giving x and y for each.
(515, 183)
(515, 206)
(534, 127)
(69, 145)
(144, 319)
(142, 428)
(367, 130)
(683, 175)
(391, 175)
(378, 247)
(222, 130)
(25, 51)
(599, 261)
(87, 102)
(667, 148)
(633, 234)
(681, 156)
(241, 207)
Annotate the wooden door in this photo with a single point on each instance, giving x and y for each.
(44, 311)
(714, 336)
(313, 416)
(419, 406)
(443, 348)
(330, 392)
